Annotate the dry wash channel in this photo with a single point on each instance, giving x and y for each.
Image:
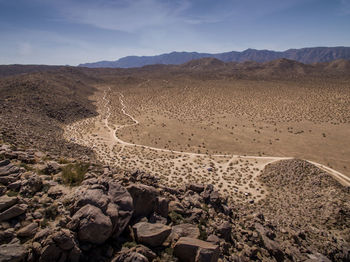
(234, 175)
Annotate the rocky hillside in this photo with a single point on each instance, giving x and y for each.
(9, 70)
(34, 106)
(279, 69)
(303, 55)
(56, 209)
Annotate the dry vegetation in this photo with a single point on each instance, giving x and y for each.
(197, 111)
(189, 131)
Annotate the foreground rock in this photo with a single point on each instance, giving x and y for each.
(195, 250)
(6, 202)
(152, 235)
(112, 214)
(7, 168)
(184, 230)
(13, 211)
(139, 253)
(92, 225)
(144, 199)
(130, 257)
(12, 253)
(28, 230)
(56, 246)
(102, 209)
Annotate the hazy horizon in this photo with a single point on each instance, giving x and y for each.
(70, 32)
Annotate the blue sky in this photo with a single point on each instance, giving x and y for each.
(78, 31)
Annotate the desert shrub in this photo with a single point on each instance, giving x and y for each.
(73, 174)
(51, 212)
(45, 188)
(169, 251)
(44, 223)
(11, 193)
(202, 232)
(176, 218)
(47, 158)
(205, 208)
(63, 161)
(129, 244)
(26, 167)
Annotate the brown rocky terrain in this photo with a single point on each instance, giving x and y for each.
(197, 162)
(48, 214)
(35, 107)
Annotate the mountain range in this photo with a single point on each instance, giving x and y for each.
(303, 55)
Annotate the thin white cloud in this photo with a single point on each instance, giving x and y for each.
(125, 15)
(135, 15)
(45, 47)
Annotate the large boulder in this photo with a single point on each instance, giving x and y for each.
(124, 201)
(6, 180)
(92, 225)
(4, 162)
(139, 253)
(8, 169)
(198, 188)
(162, 206)
(184, 230)
(195, 250)
(7, 202)
(152, 235)
(224, 231)
(51, 167)
(59, 246)
(130, 257)
(176, 206)
(101, 209)
(32, 185)
(144, 199)
(28, 230)
(13, 211)
(64, 239)
(273, 247)
(12, 253)
(7, 235)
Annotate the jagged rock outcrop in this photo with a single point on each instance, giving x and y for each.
(152, 235)
(12, 253)
(144, 199)
(47, 220)
(195, 250)
(101, 209)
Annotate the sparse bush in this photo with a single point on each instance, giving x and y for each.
(130, 244)
(44, 223)
(73, 174)
(26, 167)
(169, 251)
(176, 218)
(63, 161)
(51, 212)
(202, 232)
(11, 193)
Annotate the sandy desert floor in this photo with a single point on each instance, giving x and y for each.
(218, 131)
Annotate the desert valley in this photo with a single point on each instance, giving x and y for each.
(202, 161)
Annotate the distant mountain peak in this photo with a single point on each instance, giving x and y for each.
(303, 55)
(206, 62)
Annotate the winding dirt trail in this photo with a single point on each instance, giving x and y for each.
(235, 176)
(136, 122)
(339, 176)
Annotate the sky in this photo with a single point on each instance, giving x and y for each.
(70, 32)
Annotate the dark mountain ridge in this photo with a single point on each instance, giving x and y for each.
(303, 55)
